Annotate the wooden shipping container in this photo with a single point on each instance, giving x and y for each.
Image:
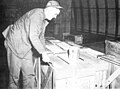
(86, 73)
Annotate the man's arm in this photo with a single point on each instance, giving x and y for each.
(35, 31)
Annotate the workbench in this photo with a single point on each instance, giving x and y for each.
(86, 72)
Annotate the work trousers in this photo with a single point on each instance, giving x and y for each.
(16, 65)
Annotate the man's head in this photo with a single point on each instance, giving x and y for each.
(53, 3)
(52, 9)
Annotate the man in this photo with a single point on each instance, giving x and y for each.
(26, 34)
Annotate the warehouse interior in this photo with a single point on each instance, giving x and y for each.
(95, 20)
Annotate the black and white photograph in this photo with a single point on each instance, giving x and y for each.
(59, 44)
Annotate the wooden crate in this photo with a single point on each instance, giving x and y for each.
(83, 75)
(86, 73)
(113, 49)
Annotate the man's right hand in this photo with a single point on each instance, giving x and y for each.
(45, 57)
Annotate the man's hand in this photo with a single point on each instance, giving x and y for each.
(45, 57)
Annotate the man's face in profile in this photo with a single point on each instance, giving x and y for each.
(52, 13)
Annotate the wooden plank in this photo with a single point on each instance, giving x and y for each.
(112, 77)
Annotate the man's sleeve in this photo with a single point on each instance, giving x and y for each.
(6, 31)
(35, 31)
